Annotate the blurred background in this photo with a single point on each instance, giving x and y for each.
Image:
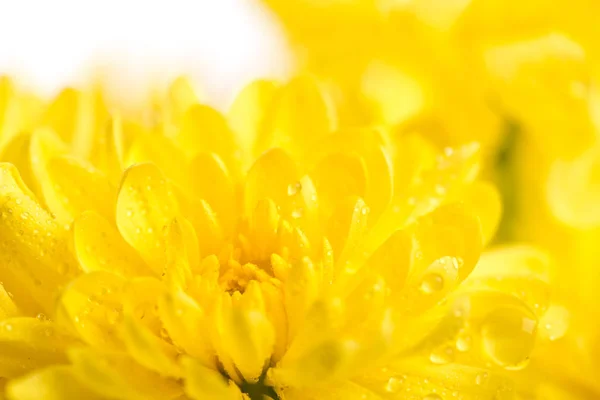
(221, 44)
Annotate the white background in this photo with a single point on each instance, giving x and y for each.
(222, 44)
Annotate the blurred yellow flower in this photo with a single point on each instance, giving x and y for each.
(420, 65)
(181, 254)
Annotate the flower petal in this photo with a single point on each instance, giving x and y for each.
(300, 118)
(56, 383)
(145, 206)
(73, 187)
(100, 247)
(246, 334)
(35, 257)
(27, 344)
(248, 116)
(203, 129)
(117, 376)
(206, 383)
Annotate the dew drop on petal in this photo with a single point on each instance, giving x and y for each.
(393, 384)
(431, 283)
(442, 355)
(42, 317)
(294, 188)
(508, 337)
(463, 341)
(481, 378)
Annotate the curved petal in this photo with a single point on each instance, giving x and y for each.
(100, 247)
(248, 117)
(27, 344)
(73, 187)
(34, 254)
(145, 206)
(117, 376)
(56, 383)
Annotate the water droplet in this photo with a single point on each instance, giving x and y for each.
(294, 188)
(138, 230)
(508, 337)
(432, 283)
(365, 210)
(150, 230)
(481, 378)
(24, 216)
(113, 315)
(393, 384)
(432, 396)
(297, 213)
(442, 355)
(463, 341)
(41, 317)
(554, 323)
(129, 213)
(19, 201)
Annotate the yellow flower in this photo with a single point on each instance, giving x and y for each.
(185, 255)
(534, 65)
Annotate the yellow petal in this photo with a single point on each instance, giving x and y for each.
(17, 152)
(27, 344)
(420, 378)
(92, 306)
(246, 333)
(162, 152)
(367, 146)
(206, 383)
(177, 271)
(277, 168)
(73, 187)
(337, 390)
(35, 257)
(248, 115)
(117, 376)
(56, 383)
(181, 97)
(213, 183)
(187, 325)
(108, 153)
(300, 118)
(149, 350)
(484, 200)
(99, 246)
(345, 232)
(522, 271)
(571, 190)
(63, 113)
(7, 306)
(300, 291)
(203, 129)
(543, 82)
(145, 206)
(326, 361)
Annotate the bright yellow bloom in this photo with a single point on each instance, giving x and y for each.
(534, 65)
(186, 255)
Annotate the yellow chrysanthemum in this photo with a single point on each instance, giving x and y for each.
(534, 65)
(185, 255)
